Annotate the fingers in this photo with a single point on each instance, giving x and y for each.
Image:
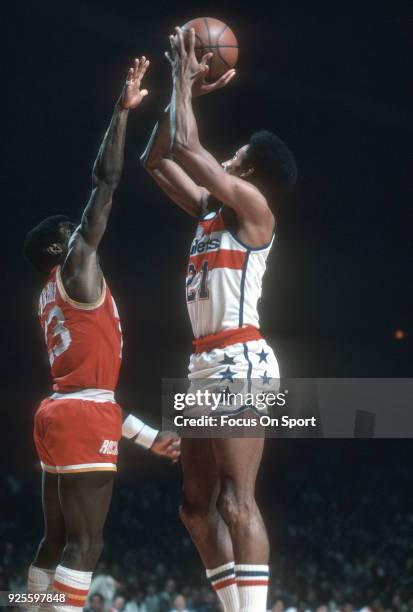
(168, 57)
(205, 59)
(168, 445)
(136, 67)
(226, 78)
(172, 42)
(191, 40)
(181, 42)
(174, 450)
(174, 445)
(137, 71)
(141, 66)
(223, 80)
(129, 76)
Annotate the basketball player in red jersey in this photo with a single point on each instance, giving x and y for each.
(77, 429)
(236, 203)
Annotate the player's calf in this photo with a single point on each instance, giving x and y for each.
(196, 515)
(209, 534)
(250, 542)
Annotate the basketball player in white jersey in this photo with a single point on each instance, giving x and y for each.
(236, 203)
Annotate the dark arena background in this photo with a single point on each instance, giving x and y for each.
(333, 81)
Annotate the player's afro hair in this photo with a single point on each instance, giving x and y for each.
(39, 238)
(271, 159)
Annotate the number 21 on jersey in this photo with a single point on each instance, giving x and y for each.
(197, 289)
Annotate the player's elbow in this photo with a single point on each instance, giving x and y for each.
(150, 165)
(146, 161)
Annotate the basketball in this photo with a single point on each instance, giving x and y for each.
(213, 35)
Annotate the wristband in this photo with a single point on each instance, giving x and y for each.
(135, 428)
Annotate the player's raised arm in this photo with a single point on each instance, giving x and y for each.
(240, 195)
(108, 166)
(81, 275)
(169, 175)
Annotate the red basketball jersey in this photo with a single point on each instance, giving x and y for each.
(84, 341)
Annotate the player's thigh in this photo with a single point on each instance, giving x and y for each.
(238, 461)
(85, 499)
(200, 473)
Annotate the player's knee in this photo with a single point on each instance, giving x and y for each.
(235, 507)
(192, 512)
(85, 548)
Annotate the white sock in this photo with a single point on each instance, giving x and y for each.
(223, 582)
(39, 581)
(252, 582)
(74, 584)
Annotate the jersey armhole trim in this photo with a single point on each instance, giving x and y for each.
(212, 214)
(79, 305)
(249, 248)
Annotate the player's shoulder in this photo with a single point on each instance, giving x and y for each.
(249, 196)
(80, 257)
(254, 207)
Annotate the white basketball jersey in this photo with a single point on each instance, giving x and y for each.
(224, 278)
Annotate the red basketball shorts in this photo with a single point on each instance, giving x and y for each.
(75, 435)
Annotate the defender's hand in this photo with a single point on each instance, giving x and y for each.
(132, 94)
(185, 66)
(201, 86)
(167, 444)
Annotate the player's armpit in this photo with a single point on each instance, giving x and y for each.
(80, 272)
(176, 183)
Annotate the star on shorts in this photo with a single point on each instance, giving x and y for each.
(228, 360)
(227, 375)
(263, 356)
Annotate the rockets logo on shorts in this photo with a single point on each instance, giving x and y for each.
(224, 279)
(84, 341)
(109, 447)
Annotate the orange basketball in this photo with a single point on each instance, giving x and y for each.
(213, 35)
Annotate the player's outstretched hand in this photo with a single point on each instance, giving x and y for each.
(185, 66)
(167, 444)
(132, 94)
(202, 87)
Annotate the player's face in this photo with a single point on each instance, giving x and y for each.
(66, 229)
(59, 247)
(236, 166)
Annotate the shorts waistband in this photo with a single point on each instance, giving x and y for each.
(92, 395)
(226, 338)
